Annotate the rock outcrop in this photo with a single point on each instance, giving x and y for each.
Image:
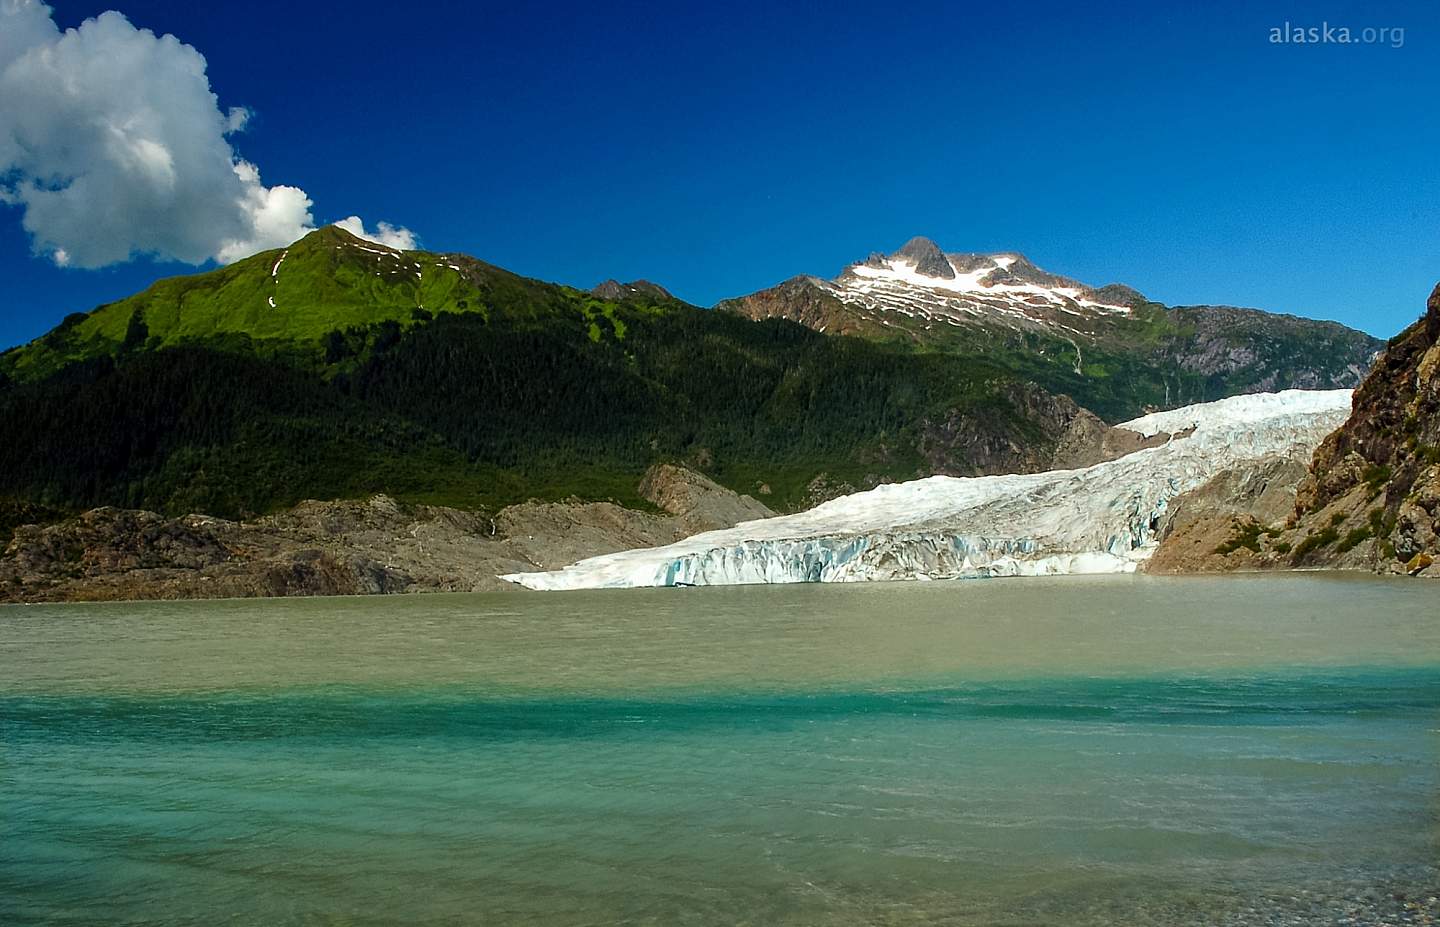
(805, 300)
(698, 502)
(346, 547)
(1203, 526)
(1370, 499)
(1379, 474)
(1060, 435)
(927, 258)
(635, 289)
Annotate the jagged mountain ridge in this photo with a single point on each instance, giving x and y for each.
(995, 303)
(926, 285)
(920, 286)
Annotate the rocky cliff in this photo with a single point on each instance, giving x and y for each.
(1370, 499)
(1212, 528)
(1375, 483)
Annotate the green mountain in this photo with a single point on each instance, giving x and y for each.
(287, 301)
(338, 368)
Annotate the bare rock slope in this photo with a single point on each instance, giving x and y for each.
(347, 547)
(1197, 533)
(1370, 499)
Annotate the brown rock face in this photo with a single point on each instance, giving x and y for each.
(1222, 525)
(700, 503)
(112, 553)
(1380, 472)
(346, 547)
(799, 299)
(1370, 499)
(1087, 441)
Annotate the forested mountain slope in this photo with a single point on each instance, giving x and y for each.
(337, 368)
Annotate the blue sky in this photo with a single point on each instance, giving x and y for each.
(719, 148)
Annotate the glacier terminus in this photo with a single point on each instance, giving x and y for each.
(1100, 519)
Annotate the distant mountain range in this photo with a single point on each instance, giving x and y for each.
(1001, 303)
(337, 367)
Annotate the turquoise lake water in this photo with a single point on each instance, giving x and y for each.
(1085, 750)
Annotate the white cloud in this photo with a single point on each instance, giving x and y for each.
(384, 234)
(27, 25)
(114, 146)
(278, 215)
(236, 118)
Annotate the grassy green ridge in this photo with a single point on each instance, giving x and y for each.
(328, 281)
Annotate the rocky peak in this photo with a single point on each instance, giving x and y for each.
(614, 289)
(968, 262)
(927, 257)
(1121, 295)
(1018, 269)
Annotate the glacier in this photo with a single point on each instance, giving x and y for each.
(1100, 519)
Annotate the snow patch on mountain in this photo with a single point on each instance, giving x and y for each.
(1102, 519)
(921, 282)
(871, 279)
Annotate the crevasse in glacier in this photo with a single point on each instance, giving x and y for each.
(1102, 519)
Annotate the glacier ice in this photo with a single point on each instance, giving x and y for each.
(1101, 519)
